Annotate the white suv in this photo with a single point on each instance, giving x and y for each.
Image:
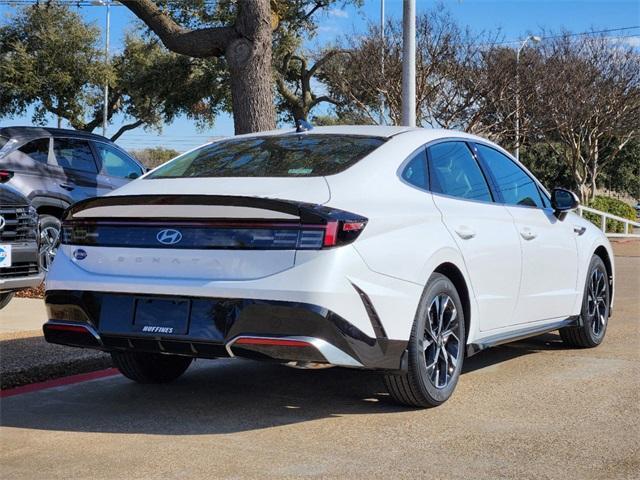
(387, 248)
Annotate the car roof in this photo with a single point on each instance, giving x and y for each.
(21, 133)
(381, 131)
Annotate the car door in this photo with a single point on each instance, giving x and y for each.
(75, 157)
(35, 172)
(548, 286)
(483, 230)
(116, 167)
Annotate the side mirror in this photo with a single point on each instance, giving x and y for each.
(563, 200)
(133, 175)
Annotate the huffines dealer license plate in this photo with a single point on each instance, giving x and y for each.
(5, 256)
(161, 316)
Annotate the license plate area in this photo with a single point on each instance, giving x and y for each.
(158, 316)
(5, 255)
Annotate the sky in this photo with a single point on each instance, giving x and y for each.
(515, 19)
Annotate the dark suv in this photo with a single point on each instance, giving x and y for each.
(55, 168)
(19, 264)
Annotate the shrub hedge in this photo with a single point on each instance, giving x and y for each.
(613, 206)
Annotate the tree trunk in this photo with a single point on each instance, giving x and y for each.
(246, 45)
(251, 86)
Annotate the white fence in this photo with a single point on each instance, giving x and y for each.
(629, 225)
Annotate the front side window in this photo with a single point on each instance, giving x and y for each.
(116, 163)
(514, 186)
(37, 150)
(453, 171)
(305, 155)
(415, 172)
(74, 154)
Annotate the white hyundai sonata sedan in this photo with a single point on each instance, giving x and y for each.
(395, 249)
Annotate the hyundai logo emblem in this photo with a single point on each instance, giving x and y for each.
(169, 236)
(2, 222)
(79, 254)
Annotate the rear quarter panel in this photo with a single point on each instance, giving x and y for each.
(405, 237)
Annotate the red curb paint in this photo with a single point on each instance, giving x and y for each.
(58, 382)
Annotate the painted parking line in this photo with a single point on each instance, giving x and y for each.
(58, 382)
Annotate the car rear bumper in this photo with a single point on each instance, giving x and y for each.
(218, 327)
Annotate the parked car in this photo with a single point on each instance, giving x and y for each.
(637, 207)
(394, 249)
(55, 168)
(19, 256)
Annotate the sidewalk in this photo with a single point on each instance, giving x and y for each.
(24, 355)
(23, 314)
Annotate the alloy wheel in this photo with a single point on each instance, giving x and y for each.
(441, 344)
(597, 301)
(49, 239)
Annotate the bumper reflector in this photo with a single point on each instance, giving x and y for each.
(272, 341)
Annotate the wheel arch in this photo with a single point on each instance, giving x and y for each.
(51, 210)
(602, 252)
(453, 273)
(49, 206)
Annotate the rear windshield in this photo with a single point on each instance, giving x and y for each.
(278, 156)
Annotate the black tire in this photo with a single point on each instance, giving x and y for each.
(150, 367)
(50, 228)
(424, 385)
(5, 298)
(594, 315)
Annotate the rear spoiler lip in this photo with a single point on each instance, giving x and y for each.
(309, 213)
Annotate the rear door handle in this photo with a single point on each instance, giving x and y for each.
(579, 230)
(527, 234)
(465, 232)
(67, 186)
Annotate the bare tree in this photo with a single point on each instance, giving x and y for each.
(587, 101)
(293, 80)
(450, 85)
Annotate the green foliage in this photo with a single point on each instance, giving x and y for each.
(153, 157)
(50, 59)
(547, 165)
(623, 174)
(613, 206)
(157, 85)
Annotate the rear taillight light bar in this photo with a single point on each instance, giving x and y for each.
(315, 226)
(264, 236)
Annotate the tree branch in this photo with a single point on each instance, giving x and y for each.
(201, 43)
(126, 128)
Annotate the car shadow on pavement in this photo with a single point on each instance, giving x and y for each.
(221, 396)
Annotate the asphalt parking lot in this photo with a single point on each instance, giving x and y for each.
(533, 409)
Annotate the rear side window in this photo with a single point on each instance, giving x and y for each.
(514, 186)
(415, 172)
(305, 155)
(37, 150)
(455, 172)
(74, 154)
(116, 163)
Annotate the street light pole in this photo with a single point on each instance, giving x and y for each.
(381, 121)
(106, 83)
(534, 39)
(409, 63)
